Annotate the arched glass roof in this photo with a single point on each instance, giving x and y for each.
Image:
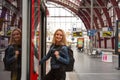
(61, 17)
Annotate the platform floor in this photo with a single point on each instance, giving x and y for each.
(86, 68)
(93, 68)
(4, 75)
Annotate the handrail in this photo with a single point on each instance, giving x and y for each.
(102, 49)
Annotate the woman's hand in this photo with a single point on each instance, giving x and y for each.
(16, 53)
(56, 53)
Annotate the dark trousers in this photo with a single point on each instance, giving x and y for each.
(16, 74)
(55, 74)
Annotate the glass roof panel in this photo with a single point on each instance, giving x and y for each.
(61, 17)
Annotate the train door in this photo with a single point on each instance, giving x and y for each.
(34, 31)
(43, 36)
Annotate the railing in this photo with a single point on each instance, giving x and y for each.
(106, 50)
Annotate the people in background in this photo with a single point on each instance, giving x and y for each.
(59, 57)
(98, 51)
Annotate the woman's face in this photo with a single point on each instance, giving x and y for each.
(58, 36)
(16, 36)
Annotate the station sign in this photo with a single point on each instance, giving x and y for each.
(107, 34)
(109, 28)
(91, 32)
(77, 34)
(74, 29)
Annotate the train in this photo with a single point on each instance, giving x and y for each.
(33, 39)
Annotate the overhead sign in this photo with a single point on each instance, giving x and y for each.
(107, 34)
(110, 28)
(74, 29)
(107, 28)
(91, 32)
(77, 34)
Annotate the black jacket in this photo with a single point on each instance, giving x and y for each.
(11, 55)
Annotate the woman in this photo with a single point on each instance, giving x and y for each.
(14, 54)
(59, 57)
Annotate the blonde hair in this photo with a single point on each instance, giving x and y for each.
(12, 41)
(64, 41)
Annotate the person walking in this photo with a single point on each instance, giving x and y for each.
(59, 57)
